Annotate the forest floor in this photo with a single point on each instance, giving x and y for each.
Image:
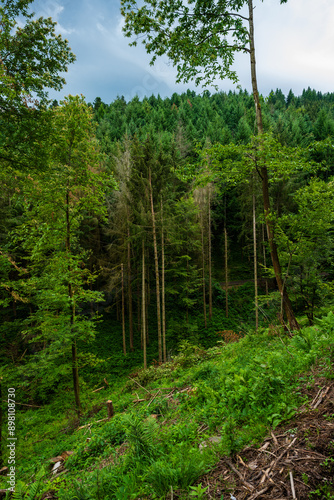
(292, 462)
(251, 418)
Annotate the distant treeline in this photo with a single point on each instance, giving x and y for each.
(221, 117)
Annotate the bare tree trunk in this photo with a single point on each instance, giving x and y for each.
(139, 308)
(163, 286)
(265, 183)
(1, 455)
(75, 371)
(203, 275)
(255, 263)
(264, 258)
(226, 258)
(123, 310)
(187, 293)
(226, 271)
(148, 297)
(130, 293)
(209, 252)
(117, 305)
(156, 264)
(143, 321)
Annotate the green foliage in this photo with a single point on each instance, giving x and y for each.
(181, 470)
(29, 491)
(234, 391)
(210, 37)
(198, 491)
(35, 58)
(142, 438)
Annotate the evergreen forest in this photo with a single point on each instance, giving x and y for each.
(147, 335)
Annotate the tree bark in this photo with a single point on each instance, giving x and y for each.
(156, 265)
(226, 258)
(265, 183)
(255, 263)
(209, 253)
(1, 456)
(123, 310)
(130, 293)
(203, 275)
(226, 271)
(264, 258)
(143, 308)
(163, 286)
(110, 409)
(75, 371)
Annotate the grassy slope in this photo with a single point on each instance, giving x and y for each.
(235, 391)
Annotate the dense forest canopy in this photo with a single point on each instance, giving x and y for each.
(172, 189)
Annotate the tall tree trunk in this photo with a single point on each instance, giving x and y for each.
(265, 183)
(209, 253)
(1, 448)
(163, 286)
(203, 274)
(75, 373)
(156, 265)
(143, 308)
(187, 292)
(226, 271)
(148, 296)
(75, 370)
(255, 262)
(264, 258)
(123, 310)
(130, 292)
(139, 326)
(226, 258)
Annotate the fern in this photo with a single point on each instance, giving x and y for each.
(141, 435)
(24, 491)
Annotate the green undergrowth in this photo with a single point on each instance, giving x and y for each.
(159, 438)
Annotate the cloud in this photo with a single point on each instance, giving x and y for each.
(294, 47)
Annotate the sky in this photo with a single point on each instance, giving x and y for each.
(294, 45)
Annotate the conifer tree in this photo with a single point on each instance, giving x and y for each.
(201, 41)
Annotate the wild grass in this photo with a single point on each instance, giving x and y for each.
(160, 435)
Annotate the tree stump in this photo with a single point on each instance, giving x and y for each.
(110, 409)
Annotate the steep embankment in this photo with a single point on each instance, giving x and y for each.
(175, 423)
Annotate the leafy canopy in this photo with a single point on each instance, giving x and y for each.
(31, 54)
(200, 37)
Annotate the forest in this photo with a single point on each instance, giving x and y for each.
(143, 265)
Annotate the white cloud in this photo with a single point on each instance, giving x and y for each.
(294, 49)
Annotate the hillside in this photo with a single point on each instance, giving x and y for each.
(199, 426)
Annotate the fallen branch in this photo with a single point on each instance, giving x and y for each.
(257, 494)
(292, 487)
(249, 486)
(285, 451)
(266, 475)
(88, 425)
(22, 404)
(96, 390)
(153, 398)
(274, 438)
(135, 381)
(321, 397)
